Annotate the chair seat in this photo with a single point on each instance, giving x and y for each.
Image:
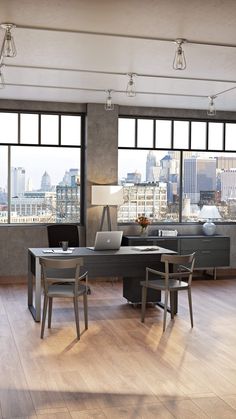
(64, 290)
(159, 284)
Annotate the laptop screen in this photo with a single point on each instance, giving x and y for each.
(108, 240)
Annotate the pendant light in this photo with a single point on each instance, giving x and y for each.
(109, 106)
(130, 90)
(8, 47)
(179, 62)
(211, 111)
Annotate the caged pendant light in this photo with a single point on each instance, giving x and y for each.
(211, 111)
(8, 47)
(179, 62)
(109, 106)
(130, 90)
(2, 82)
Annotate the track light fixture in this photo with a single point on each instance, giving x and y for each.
(130, 90)
(109, 106)
(179, 62)
(2, 82)
(8, 46)
(211, 111)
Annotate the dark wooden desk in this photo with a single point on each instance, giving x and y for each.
(125, 262)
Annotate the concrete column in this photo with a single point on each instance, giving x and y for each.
(102, 161)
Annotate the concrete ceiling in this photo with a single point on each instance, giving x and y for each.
(74, 50)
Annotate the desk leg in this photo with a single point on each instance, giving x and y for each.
(173, 308)
(35, 310)
(30, 282)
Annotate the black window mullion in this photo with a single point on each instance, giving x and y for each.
(224, 132)
(59, 130)
(136, 133)
(19, 122)
(154, 133)
(83, 194)
(39, 137)
(9, 184)
(207, 135)
(190, 135)
(172, 135)
(181, 187)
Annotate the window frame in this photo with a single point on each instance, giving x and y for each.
(181, 150)
(82, 116)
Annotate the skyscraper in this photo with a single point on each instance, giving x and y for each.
(17, 181)
(150, 164)
(199, 175)
(46, 182)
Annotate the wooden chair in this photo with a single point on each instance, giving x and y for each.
(170, 282)
(62, 279)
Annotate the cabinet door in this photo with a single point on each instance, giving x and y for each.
(210, 252)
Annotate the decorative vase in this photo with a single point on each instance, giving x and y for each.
(144, 231)
(209, 228)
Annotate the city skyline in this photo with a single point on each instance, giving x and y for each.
(37, 160)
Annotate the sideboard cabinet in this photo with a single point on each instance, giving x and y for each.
(211, 252)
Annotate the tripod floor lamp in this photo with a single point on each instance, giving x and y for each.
(107, 195)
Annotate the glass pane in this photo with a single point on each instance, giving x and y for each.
(230, 136)
(163, 134)
(3, 185)
(126, 132)
(209, 184)
(151, 185)
(145, 133)
(8, 127)
(70, 130)
(49, 129)
(215, 136)
(181, 134)
(29, 128)
(45, 185)
(198, 135)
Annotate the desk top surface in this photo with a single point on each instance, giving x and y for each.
(179, 236)
(84, 251)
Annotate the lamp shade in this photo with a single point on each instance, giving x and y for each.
(107, 195)
(209, 212)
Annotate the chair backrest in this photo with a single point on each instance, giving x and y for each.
(65, 270)
(182, 266)
(63, 232)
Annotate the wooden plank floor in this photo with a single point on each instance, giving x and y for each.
(120, 368)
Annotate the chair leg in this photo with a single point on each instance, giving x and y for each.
(50, 313)
(85, 310)
(144, 300)
(165, 310)
(172, 304)
(190, 306)
(76, 316)
(45, 304)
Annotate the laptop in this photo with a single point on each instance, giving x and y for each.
(107, 240)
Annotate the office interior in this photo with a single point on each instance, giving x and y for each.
(69, 55)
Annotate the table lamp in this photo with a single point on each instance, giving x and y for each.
(209, 213)
(107, 195)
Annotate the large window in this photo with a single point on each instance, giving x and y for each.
(177, 168)
(40, 170)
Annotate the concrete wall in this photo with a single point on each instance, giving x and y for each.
(102, 162)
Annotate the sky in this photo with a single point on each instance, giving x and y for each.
(36, 160)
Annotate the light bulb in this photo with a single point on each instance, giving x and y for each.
(8, 48)
(130, 90)
(109, 106)
(211, 111)
(179, 62)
